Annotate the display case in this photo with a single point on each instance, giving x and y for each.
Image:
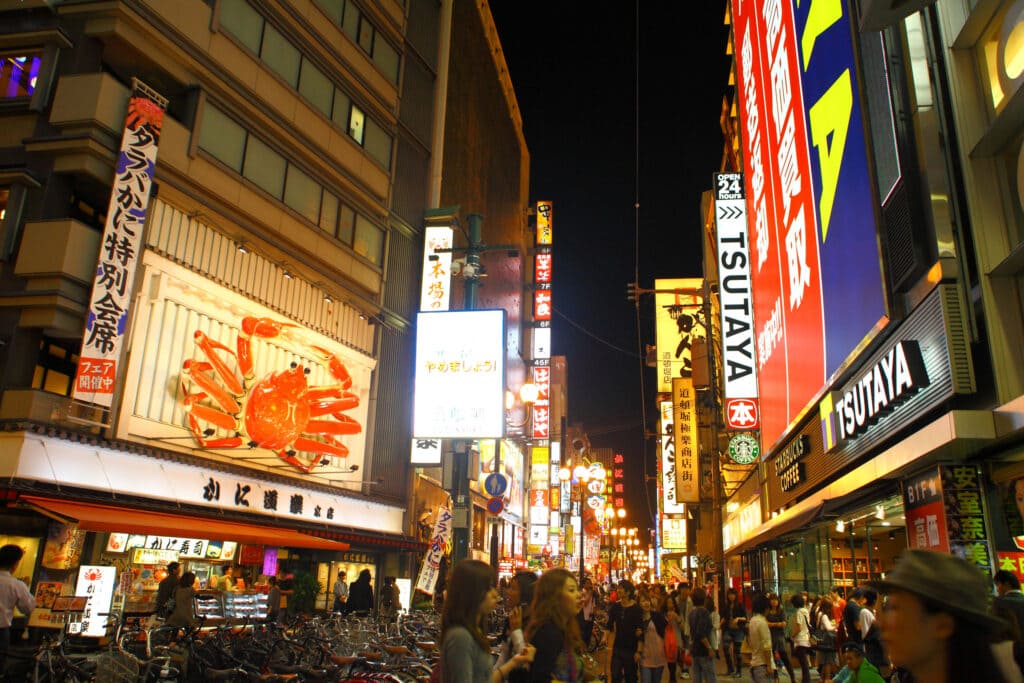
(245, 605)
(209, 605)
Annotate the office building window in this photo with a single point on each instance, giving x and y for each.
(362, 31)
(335, 9)
(55, 366)
(18, 74)
(281, 56)
(243, 22)
(369, 241)
(224, 139)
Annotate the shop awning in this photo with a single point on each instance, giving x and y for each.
(94, 517)
(779, 528)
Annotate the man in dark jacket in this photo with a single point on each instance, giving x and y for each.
(360, 593)
(166, 589)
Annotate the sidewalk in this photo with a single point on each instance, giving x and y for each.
(745, 678)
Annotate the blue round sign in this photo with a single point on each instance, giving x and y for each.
(496, 484)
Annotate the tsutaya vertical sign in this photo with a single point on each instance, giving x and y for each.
(435, 295)
(107, 319)
(738, 362)
(684, 412)
(543, 307)
(669, 502)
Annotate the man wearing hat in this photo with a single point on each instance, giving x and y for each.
(857, 669)
(936, 622)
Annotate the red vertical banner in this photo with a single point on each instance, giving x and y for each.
(925, 512)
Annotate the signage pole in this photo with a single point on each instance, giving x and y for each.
(462, 505)
(497, 518)
(716, 464)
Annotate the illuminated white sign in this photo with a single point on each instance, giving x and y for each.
(97, 584)
(460, 375)
(739, 367)
(435, 290)
(542, 343)
(669, 503)
(677, 304)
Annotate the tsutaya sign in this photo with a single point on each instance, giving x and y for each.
(895, 377)
(734, 287)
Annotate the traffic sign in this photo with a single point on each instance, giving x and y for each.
(495, 505)
(496, 484)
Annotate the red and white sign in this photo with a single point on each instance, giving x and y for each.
(542, 267)
(786, 281)
(542, 304)
(542, 406)
(741, 413)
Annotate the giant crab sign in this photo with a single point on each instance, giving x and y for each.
(279, 411)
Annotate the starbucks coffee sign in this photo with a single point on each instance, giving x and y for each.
(744, 449)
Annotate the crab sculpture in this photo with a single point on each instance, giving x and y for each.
(280, 411)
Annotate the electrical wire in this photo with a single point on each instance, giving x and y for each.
(636, 255)
(590, 334)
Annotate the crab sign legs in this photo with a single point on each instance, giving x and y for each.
(280, 411)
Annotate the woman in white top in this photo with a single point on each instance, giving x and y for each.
(802, 637)
(828, 657)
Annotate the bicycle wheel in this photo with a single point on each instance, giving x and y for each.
(115, 666)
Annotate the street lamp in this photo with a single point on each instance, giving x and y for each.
(581, 475)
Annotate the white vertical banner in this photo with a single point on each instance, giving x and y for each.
(429, 572)
(669, 500)
(97, 584)
(107, 320)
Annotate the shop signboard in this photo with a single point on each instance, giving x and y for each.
(1013, 562)
(944, 512)
(684, 409)
(97, 584)
(545, 228)
(669, 503)
(431, 568)
(815, 266)
(739, 369)
(677, 304)
(541, 421)
(435, 290)
(673, 533)
(459, 387)
(106, 323)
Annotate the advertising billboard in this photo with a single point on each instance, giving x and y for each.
(816, 272)
(669, 503)
(459, 389)
(677, 304)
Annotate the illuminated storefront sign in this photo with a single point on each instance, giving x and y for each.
(816, 274)
(673, 533)
(542, 343)
(738, 527)
(96, 584)
(669, 503)
(789, 466)
(684, 410)
(543, 309)
(944, 511)
(739, 369)
(542, 406)
(435, 290)
(107, 320)
(545, 228)
(895, 377)
(676, 326)
(460, 375)
(618, 480)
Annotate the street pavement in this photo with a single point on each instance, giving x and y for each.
(745, 678)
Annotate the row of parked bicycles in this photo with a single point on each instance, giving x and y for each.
(324, 649)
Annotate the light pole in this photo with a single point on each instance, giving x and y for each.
(528, 394)
(580, 475)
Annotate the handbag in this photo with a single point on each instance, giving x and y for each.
(671, 646)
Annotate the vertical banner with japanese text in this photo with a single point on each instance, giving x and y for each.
(107, 320)
(670, 504)
(684, 410)
(677, 323)
(429, 572)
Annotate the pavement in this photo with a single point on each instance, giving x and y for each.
(720, 670)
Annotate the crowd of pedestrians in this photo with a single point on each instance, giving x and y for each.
(932, 619)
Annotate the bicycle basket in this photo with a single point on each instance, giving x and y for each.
(116, 667)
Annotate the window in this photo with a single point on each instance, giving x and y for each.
(377, 142)
(351, 23)
(369, 241)
(355, 124)
(342, 109)
(302, 193)
(222, 137)
(18, 74)
(316, 87)
(386, 57)
(245, 23)
(366, 35)
(328, 213)
(55, 366)
(281, 56)
(264, 166)
(346, 225)
(335, 9)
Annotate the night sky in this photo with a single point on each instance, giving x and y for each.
(574, 71)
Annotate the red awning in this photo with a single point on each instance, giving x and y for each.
(93, 517)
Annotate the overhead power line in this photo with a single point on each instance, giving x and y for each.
(590, 334)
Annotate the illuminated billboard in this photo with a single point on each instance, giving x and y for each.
(677, 304)
(816, 272)
(460, 375)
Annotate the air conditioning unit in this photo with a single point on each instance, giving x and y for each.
(876, 15)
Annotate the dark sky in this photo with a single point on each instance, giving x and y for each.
(574, 70)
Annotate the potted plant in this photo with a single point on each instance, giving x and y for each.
(306, 589)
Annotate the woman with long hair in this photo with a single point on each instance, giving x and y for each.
(935, 623)
(652, 645)
(802, 637)
(184, 611)
(555, 632)
(828, 656)
(776, 617)
(675, 622)
(465, 651)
